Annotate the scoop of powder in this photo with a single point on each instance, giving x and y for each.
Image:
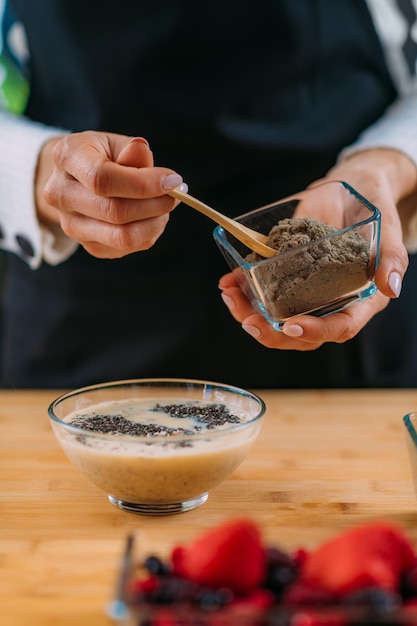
(320, 272)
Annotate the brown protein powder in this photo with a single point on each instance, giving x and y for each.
(315, 275)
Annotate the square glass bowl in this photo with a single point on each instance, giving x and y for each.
(319, 275)
(157, 446)
(410, 423)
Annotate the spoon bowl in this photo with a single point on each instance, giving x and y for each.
(251, 238)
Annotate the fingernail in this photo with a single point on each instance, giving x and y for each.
(171, 181)
(395, 283)
(293, 331)
(253, 331)
(229, 302)
(139, 140)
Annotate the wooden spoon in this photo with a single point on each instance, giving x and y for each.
(253, 240)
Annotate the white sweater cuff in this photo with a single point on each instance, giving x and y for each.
(397, 129)
(20, 232)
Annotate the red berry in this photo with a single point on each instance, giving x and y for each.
(260, 599)
(301, 594)
(319, 618)
(299, 556)
(147, 585)
(177, 556)
(376, 554)
(230, 555)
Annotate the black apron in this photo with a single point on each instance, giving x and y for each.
(269, 94)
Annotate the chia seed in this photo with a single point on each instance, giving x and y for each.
(119, 425)
(211, 415)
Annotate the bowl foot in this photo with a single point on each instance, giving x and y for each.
(155, 508)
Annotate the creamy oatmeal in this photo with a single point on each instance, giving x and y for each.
(148, 452)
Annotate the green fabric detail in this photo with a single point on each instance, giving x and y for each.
(14, 88)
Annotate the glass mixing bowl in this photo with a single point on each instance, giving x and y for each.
(157, 446)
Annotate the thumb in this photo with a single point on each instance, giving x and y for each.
(136, 153)
(393, 254)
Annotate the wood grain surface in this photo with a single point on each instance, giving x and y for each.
(325, 460)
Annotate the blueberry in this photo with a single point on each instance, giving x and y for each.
(409, 583)
(213, 599)
(281, 570)
(156, 566)
(375, 598)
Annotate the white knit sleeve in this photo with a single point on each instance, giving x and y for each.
(397, 130)
(20, 231)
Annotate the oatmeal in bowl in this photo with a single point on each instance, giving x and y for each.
(157, 446)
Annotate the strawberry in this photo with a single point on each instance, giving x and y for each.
(230, 555)
(374, 554)
(301, 594)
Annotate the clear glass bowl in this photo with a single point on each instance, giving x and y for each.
(279, 616)
(319, 276)
(162, 472)
(126, 609)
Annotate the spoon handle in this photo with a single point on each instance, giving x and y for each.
(252, 239)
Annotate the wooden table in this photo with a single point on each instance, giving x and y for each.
(325, 460)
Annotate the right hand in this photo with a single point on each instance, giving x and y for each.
(104, 192)
(389, 179)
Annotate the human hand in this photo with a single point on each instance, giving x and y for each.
(103, 191)
(389, 180)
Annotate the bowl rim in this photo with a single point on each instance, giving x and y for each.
(408, 423)
(168, 382)
(220, 234)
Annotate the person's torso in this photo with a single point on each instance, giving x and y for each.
(249, 102)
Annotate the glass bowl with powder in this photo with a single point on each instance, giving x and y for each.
(157, 446)
(327, 241)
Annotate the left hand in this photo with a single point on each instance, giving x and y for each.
(388, 179)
